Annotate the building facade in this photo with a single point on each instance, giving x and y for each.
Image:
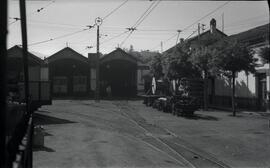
(73, 75)
(39, 85)
(121, 74)
(251, 89)
(69, 73)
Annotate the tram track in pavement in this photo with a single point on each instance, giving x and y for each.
(167, 142)
(126, 135)
(190, 155)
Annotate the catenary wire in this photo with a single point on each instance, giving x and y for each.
(114, 10)
(141, 19)
(58, 37)
(211, 12)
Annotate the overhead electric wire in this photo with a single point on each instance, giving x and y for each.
(145, 16)
(42, 8)
(211, 12)
(207, 15)
(12, 22)
(126, 38)
(165, 41)
(191, 34)
(151, 7)
(118, 7)
(38, 10)
(141, 17)
(58, 37)
(52, 23)
(114, 37)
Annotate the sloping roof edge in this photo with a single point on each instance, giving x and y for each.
(121, 50)
(67, 48)
(33, 56)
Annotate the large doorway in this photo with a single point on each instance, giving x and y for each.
(120, 77)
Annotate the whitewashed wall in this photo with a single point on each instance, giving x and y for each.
(245, 83)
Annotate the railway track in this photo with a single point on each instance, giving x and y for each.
(166, 143)
(185, 154)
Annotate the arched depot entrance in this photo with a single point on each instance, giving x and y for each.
(118, 71)
(120, 75)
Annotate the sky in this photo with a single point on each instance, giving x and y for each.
(61, 17)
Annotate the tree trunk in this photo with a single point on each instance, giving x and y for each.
(205, 94)
(233, 93)
(268, 91)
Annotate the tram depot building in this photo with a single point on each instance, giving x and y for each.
(72, 75)
(39, 85)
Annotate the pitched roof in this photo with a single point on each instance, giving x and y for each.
(119, 54)
(255, 35)
(67, 53)
(206, 33)
(16, 52)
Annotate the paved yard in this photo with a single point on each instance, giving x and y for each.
(129, 134)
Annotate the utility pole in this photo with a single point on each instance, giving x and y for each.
(3, 81)
(26, 79)
(175, 48)
(25, 55)
(98, 22)
(161, 47)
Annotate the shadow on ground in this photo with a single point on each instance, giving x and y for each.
(237, 115)
(43, 111)
(41, 119)
(42, 148)
(201, 117)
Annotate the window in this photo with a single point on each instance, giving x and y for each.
(60, 84)
(79, 83)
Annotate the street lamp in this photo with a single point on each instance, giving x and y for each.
(98, 22)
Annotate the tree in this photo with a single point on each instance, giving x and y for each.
(180, 64)
(234, 57)
(202, 58)
(156, 66)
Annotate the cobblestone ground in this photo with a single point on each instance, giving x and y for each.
(129, 134)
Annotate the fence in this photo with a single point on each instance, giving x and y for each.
(39, 92)
(19, 133)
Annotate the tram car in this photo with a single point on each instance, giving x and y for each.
(187, 96)
(157, 90)
(181, 96)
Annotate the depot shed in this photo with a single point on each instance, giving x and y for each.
(122, 72)
(69, 73)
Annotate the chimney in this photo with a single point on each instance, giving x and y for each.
(213, 25)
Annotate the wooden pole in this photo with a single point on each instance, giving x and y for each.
(3, 81)
(24, 52)
(26, 75)
(233, 93)
(97, 67)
